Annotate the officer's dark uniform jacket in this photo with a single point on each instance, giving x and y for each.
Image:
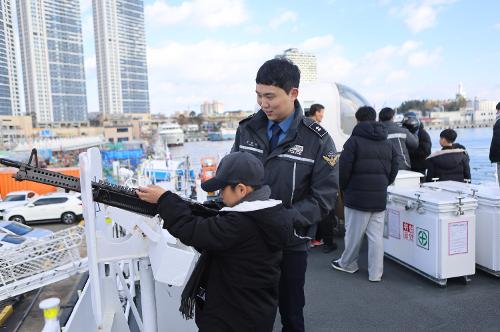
(302, 170)
(495, 144)
(403, 140)
(448, 164)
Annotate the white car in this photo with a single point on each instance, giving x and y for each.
(15, 228)
(66, 208)
(17, 198)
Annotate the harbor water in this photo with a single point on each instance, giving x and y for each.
(476, 140)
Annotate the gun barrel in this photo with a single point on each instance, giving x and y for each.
(102, 192)
(9, 163)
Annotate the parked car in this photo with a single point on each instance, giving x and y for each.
(66, 208)
(9, 241)
(17, 198)
(15, 228)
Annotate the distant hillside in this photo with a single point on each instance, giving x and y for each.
(427, 105)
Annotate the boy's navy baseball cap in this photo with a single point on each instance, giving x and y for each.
(234, 168)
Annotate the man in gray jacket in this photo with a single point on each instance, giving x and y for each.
(401, 138)
(300, 163)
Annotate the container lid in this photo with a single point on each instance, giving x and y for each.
(437, 200)
(404, 174)
(483, 192)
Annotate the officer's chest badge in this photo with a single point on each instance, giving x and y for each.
(297, 150)
(332, 158)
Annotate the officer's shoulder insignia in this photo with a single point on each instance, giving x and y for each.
(316, 128)
(248, 117)
(331, 158)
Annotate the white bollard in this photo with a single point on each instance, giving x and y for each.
(50, 309)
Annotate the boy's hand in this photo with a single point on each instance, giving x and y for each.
(150, 194)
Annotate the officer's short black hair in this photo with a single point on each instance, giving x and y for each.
(315, 108)
(449, 135)
(498, 106)
(366, 113)
(279, 72)
(386, 114)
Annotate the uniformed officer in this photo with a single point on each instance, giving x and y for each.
(300, 162)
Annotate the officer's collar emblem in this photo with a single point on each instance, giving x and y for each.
(315, 127)
(252, 144)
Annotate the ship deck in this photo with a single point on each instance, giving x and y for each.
(338, 301)
(403, 300)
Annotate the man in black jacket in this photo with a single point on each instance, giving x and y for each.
(300, 163)
(368, 164)
(418, 156)
(401, 138)
(325, 227)
(451, 163)
(495, 143)
(244, 243)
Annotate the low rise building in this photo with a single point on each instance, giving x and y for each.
(14, 129)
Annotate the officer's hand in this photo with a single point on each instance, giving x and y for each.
(150, 194)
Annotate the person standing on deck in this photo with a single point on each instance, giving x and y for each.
(451, 163)
(495, 143)
(368, 165)
(401, 138)
(325, 227)
(418, 156)
(300, 162)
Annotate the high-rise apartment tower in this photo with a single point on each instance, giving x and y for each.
(120, 45)
(50, 34)
(9, 87)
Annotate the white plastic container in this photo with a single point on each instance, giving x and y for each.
(407, 179)
(431, 232)
(487, 220)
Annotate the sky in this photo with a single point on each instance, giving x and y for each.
(389, 51)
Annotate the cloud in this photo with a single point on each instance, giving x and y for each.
(211, 14)
(422, 14)
(408, 46)
(424, 58)
(85, 5)
(497, 26)
(381, 75)
(87, 25)
(334, 68)
(90, 63)
(183, 75)
(284, 18)
(397, 75)
(317, 43)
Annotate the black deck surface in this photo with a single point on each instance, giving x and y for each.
(402, 301)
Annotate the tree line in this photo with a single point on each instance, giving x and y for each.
(427, 105)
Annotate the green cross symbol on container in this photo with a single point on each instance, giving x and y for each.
(423, 238)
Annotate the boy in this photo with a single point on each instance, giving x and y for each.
(451, 162)
(368, 164)
(244, 242)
